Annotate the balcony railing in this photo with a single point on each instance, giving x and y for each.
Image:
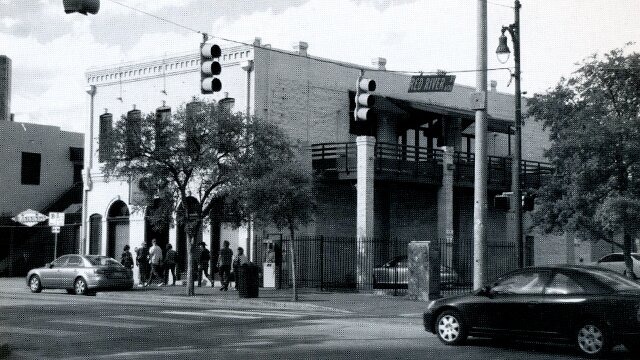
(406, 163)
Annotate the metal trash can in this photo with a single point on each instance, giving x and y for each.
(248, 281)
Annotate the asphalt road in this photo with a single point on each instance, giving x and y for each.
(54, 325)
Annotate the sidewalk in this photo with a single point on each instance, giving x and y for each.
(347, 302)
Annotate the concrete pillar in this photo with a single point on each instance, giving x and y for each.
(445, 204)
(364, 208)
(423, 271)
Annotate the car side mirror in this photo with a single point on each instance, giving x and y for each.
(485, 291)
(48, 265)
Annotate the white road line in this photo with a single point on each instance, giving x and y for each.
(205, 314)
(263, 313)
(102, 323)
(31, 331)
(157, 319)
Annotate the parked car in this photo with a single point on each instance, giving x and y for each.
(615, 262)
(589, 307)
(393, 274)
(81, 275)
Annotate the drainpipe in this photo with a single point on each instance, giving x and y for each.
(91, 90)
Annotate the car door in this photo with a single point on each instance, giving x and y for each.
(564, 299)
(51, 276)
(507, 309)
(70, 271)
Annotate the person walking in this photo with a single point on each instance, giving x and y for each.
(142, 262)
(203, 265)
(224, 264)
(170, 264)
(155, 259)
(241, 259)
(126, 259)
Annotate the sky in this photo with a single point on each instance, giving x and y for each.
(51, 50)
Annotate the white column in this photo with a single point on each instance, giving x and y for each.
(364, 217)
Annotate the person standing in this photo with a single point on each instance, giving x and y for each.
(203, 264)
(241, 259)
(224, 264)
(155, 259)
(142, 261)
(126, 259)
(170, 264)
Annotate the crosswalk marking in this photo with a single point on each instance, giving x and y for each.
(264, 313)
(32, 331)
(102, 323)
(205, 314)
(156, 319)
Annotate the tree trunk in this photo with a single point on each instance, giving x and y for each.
(293, 266)
(628, 262)
(190, 287)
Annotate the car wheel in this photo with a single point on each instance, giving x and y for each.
(450, 328)
(35, 285)
(80, 286)
(592, 340)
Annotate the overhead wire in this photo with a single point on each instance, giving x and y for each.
(329, 61)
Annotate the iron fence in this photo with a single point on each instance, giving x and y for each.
(330, 263)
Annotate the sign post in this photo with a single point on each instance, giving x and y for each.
(56, 220)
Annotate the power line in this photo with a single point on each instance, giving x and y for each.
(338, 63)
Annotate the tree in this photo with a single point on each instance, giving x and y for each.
(192, 160)
(284, 198)
(594, 123)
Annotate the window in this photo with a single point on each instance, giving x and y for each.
(520, 283)
(105, 143)
(30, 168)
(563, 285)
(60, 261)
(74, 261)
(612, 258)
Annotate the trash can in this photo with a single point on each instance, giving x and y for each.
(248, 281)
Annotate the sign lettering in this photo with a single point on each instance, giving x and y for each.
(432, 83)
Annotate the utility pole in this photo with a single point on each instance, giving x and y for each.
(480, 165)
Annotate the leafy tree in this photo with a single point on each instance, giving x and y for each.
(594, 123)
(283, 198)
(192, 160)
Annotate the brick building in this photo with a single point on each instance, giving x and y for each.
(422, 176)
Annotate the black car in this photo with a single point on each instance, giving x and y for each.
(591, 308)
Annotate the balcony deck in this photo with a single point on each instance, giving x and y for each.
(411, 164)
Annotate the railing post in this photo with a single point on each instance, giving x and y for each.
(321, 262)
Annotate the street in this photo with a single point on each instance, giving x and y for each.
(124, 325)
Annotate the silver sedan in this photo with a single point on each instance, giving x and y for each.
(81, 275)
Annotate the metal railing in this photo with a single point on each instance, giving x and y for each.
(412, 163)
(329, 263)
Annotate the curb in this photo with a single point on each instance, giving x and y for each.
(205, 299)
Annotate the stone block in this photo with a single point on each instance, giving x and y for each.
(423, 271)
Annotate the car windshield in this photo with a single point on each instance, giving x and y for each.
(615, 281)
(103, 261)
(636, 256)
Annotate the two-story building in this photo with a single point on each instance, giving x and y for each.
(422, 149)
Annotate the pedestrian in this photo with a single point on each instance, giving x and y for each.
(155, 259)
(142, 262)
(203, 265)
(126, 259)
(240, 259)
(224, 264)
(170, 264)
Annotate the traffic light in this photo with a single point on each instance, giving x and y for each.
(81, 6)
(364, 100)
(528, 202)
(502, 201)
(364, 120)
(209, 68)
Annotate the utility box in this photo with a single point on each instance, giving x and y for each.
(269, 275)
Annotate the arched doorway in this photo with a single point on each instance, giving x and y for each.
(95, 234)
(117, 228)
(181, 236)
(156, 223)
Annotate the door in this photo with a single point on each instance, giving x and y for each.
(70, 270)
(51, 277)
(509, 307)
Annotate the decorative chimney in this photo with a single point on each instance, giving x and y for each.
(494, 85)
(257, 41)
(379, 62)
(301, 48)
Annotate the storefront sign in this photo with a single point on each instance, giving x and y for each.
(29, 217)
